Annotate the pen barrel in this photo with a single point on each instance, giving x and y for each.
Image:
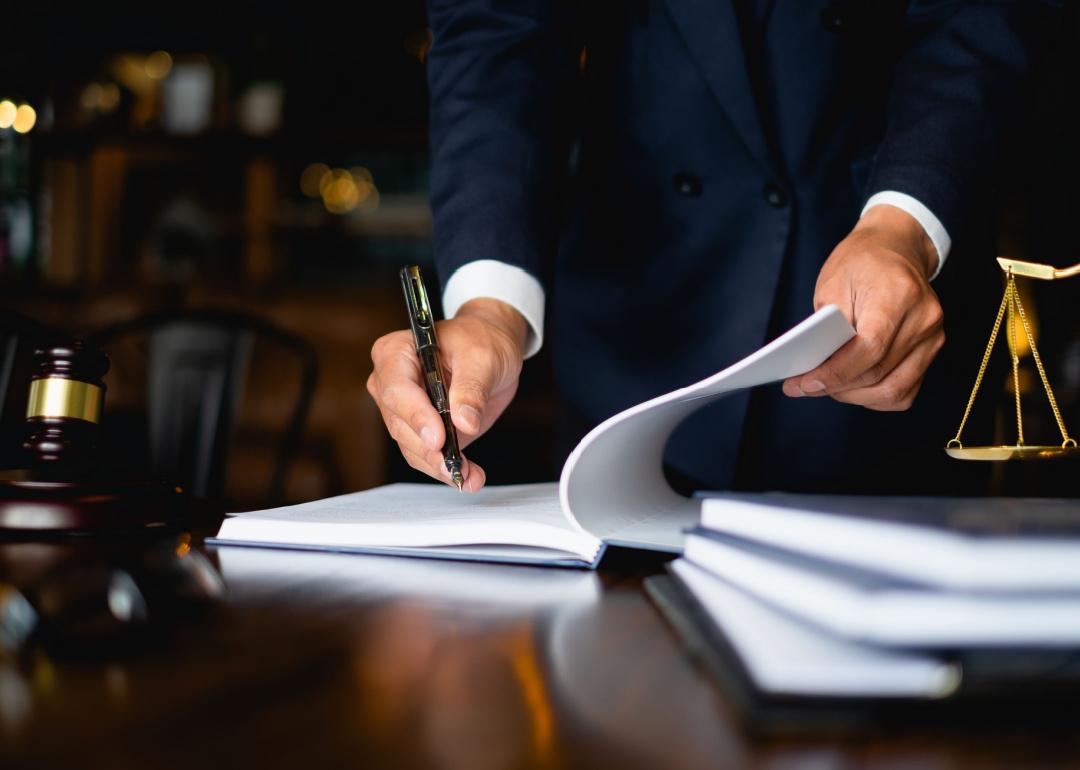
(451, 452)
(434, 384)
(433, 378)
(422, 324)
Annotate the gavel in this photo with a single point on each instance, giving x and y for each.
(68, 483)
(63, 413)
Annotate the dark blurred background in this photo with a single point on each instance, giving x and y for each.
(271, 159)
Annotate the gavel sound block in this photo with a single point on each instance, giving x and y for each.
(68, 485)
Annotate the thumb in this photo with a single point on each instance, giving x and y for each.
(470, 387)
(837, 292)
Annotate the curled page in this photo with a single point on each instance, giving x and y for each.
(613, 483)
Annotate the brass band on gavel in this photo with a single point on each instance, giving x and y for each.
(67, 384)
(61, 397)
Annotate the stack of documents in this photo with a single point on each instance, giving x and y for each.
(882, 597)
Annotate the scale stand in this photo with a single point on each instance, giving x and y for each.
(1011, 303)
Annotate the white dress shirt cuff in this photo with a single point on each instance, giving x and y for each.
(498, 280)
(935, 231)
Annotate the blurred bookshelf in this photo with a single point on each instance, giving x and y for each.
(156, 163)
(151, 211)
(271, 160)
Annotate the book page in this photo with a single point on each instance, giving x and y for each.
(612, 487)
(613, 482)
(420, 516)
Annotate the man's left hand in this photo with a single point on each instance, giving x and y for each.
(879, 278)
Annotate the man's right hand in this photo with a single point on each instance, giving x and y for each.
(482, 349)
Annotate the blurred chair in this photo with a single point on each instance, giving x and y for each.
(197, 367)
(19, 336)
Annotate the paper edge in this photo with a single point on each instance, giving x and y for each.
(821, 317)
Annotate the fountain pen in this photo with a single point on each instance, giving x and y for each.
(427, 350)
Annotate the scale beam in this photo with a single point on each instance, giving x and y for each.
(1035, 270)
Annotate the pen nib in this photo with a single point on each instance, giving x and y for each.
(459, 480)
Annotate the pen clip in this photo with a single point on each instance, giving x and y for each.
(420, 316)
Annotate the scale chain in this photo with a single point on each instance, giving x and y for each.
(1014, 300)
(1012, 303)
(982, 368)
(1066, 440)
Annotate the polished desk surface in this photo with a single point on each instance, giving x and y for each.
(330, 660)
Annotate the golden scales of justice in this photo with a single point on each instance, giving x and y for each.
(1011, 305)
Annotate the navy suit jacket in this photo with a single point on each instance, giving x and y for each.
(675, 172)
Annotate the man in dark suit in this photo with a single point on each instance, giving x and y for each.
(680, 180)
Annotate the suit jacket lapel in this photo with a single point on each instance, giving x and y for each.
(711, 33)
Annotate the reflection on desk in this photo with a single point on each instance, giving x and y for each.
(328, 660)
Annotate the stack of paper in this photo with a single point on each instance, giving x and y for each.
(876, 596)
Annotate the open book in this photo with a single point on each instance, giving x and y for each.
(612, 489)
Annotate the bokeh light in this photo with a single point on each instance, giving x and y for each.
(330, 178)
(25, 118)
(370, 201)
(100, 97)
(341, 196)
(110, 97)
(90, 98)
(311, 178)
(7, 113)
(342, 190)
(158, 64)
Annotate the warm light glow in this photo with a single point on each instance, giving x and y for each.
(365, 186)
(528, 670)
(90, 98)
(343, 190)
(418, 44)
(25, 118)
(364, 189)
(100, 97)
(183, 545)
(7, 113)
(110, 97)
(1017, 339)
(130, 70)
(311, 179)
(341, 195)
(331, 176)
(370, 200)
(158, 65)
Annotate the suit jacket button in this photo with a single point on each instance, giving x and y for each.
(774, 195)
(687, 185)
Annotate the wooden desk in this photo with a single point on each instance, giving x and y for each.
(322, 660)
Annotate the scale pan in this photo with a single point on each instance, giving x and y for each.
(1026, 452)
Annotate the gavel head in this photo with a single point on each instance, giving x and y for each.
(64, 408)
